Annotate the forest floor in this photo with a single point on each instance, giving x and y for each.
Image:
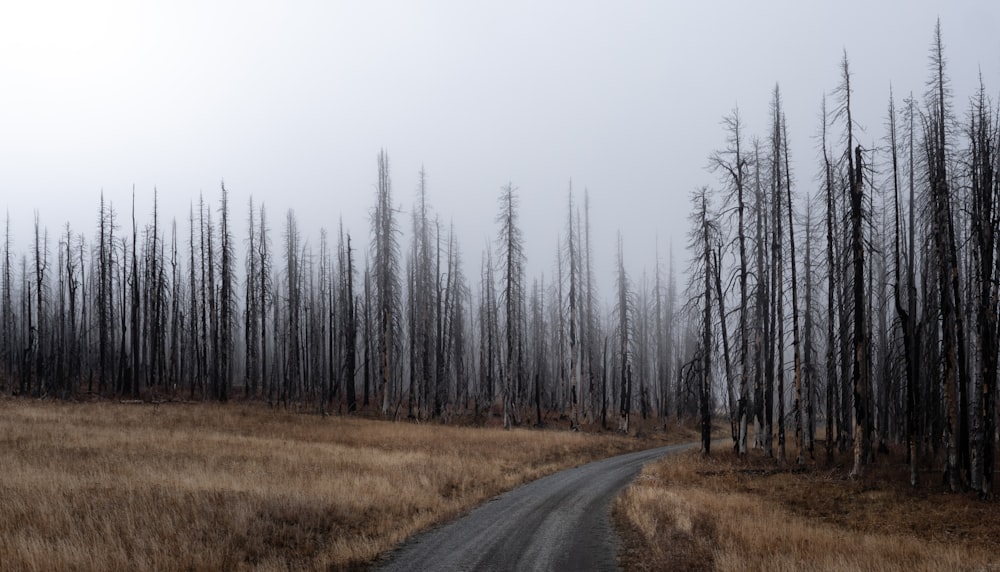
(689, 512)
(115, 486)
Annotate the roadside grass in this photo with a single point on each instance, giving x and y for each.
(688, 512)
(110, 486)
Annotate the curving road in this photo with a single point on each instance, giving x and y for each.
(559, 522)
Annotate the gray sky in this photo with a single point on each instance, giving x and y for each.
(291, 101)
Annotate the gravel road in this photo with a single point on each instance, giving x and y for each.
(560, 522)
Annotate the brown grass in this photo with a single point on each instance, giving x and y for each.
(722, 513)
(103, 486)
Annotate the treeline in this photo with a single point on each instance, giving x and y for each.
(155, 310)
(863, 310)
(860, 312)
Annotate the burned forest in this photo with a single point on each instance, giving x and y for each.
(847, 300)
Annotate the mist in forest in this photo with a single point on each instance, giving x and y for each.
(523, 210)
(291, 105)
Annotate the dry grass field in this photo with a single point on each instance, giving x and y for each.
(722, 513)
(108, 486)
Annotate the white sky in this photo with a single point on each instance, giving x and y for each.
(291, 102)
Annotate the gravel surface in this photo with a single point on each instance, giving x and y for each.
(560, 522)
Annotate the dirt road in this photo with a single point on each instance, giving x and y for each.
(560, 522)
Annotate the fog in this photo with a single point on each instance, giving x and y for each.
(291, 103)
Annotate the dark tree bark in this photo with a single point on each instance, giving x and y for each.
(985, 223)
(732, 163)
(251, 309)
(809, 337)
(71, 346)
(175, 313)
(906, 304)
(860, 373)
(386, 251)
(831, 288)
(797, 404)
(512, 265)
(367, 319)
(264, 295)
(948, 283)
(7, 306)
(350, 327)
(227, 301)
(702, 239)
(727, 360)
(764, 363)
(213, 309)
(706, 341)
(624, 342)
(293, 273)
(575, 345)
(134, 374)
(194, 319)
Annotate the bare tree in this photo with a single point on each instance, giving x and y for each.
(904, 287)
(511, 247)
(422, 308)
(733, 165)
(367, 320)
(176, 315)
(386, 276)
(831, 288)
(293, 275)
(809, 335)
(251, 308)
(575, 345)
(702, 238)
(348, 309)
(489, 360)
(943, 233)
(797, 407)
(985, 219)
(623, 309)
(855, 177)
(264, 296)
(37, 346)
(7, 307)
(227, 301)
(195, 318)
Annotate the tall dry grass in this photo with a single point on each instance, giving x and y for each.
(103, 486)
(691, 513)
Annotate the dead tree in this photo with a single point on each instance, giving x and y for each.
(511, 247)
(733, 165)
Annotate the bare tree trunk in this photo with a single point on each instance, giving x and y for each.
(797, 406)
(982, 133)
(727, 361)
(193, 319)
(809, 353)
(733, 165)
(706, 342)
(135, 375)
(624, 331)
(906, 313)
(512, 252)
(227, 303)
(264, 292)
(386, 286)
(350, 329)
(251, 311)
(860, 376)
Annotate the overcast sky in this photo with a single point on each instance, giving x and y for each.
(291, 102)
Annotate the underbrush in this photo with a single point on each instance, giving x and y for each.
(112, 486)
(689, 512)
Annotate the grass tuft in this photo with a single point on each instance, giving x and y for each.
(109, 486)
(688, 512)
